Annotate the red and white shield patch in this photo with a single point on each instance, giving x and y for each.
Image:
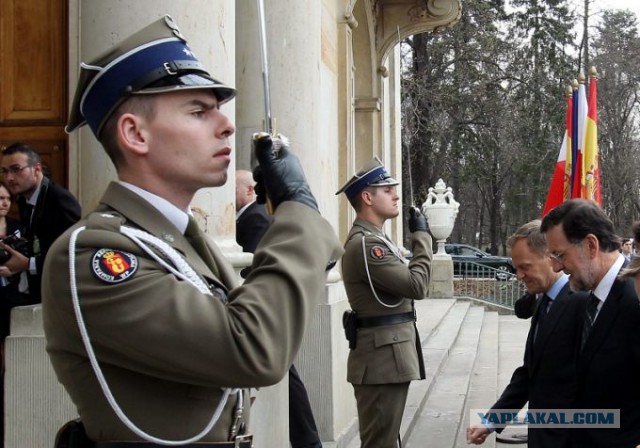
(113, 266)
(378, 252)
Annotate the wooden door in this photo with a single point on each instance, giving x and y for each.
(33, 79)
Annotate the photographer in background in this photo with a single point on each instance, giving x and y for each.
(46, 211)
(10, 287)
(10, 294)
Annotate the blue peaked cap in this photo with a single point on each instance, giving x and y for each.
(373, 174)
(154, 60)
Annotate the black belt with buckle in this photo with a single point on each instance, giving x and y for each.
(390, 319)
(244, 441)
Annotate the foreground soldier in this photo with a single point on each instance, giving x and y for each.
(385, 347)
(169, 329)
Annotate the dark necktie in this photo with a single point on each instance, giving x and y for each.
(26, 210)
(542, 312)
(198, 242)
(589, 318)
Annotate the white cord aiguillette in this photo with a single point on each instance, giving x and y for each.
(181, 270)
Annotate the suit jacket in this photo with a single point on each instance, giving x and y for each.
(391, 353)
(251, 225)
(165, 348)
(547, 377)
(55, 211)
(609, 368)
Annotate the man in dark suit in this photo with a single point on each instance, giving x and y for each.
(252, 221)
(46, 211)
(582, 242)
(547, 378)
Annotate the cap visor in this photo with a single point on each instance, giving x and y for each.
(190, 81)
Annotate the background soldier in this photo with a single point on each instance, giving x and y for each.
(172, 335)
(385, 347)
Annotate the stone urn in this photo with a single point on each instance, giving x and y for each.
(441, 210)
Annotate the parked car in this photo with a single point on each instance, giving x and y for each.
(469, 261)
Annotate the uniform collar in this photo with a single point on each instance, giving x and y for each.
(174, 215)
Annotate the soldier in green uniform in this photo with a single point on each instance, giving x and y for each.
(381, 285)
(145, 324)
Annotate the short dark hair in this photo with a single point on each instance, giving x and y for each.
(579, 218)
(22, 148)
(143, 105)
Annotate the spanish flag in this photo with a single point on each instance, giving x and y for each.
(590, 182)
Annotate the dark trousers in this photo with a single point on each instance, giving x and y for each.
(303, 432)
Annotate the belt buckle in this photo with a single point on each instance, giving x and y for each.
(242, 438)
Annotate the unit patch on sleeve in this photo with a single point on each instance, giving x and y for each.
(113, 266)
(378, 252)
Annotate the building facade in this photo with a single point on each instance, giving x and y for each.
(335, 92)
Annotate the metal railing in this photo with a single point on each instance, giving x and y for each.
(487, 284)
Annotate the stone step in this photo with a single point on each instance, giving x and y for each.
(438, 422)
(484, 379)
(512, 341)
(436, 344)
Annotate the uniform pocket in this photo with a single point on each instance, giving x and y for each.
(390, 337)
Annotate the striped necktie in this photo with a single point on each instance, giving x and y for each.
(589, 318)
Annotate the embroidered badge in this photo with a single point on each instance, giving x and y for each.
(378, 252)
(113, 266)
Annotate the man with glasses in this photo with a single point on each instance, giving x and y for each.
(546, 378)
(46, 211)
(583, 244)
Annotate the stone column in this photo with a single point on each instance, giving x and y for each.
(304, 84)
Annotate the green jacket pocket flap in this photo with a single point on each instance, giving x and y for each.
(390, 337)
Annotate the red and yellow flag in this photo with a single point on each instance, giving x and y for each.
(590, 180)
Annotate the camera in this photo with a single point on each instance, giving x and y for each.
(15, 242)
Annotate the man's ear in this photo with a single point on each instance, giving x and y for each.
(593, 245)
(366, 197)
(132, 135)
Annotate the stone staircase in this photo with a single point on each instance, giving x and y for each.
(470, 353)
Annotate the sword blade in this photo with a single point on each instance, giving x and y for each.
(265, 68)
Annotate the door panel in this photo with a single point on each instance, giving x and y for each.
(33, 79)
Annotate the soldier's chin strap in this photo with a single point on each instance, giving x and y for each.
(182, 270)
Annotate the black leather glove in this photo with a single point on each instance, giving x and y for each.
(280, 176)
(525, 306)
(417, 221)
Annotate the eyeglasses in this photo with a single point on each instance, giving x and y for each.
(14, 169)
(559, 256)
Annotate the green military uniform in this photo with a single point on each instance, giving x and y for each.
(146, 326)
(380, 283)
(165, 348)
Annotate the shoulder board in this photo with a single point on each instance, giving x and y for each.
(105, 221)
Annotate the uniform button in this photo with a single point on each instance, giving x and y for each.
(395, 338)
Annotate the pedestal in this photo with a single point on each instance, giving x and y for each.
(441, 286)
